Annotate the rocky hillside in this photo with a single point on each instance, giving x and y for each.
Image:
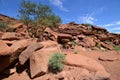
(91, 52)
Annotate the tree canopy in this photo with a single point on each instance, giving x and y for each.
(38, 14)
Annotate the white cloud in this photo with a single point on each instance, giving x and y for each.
(59, 4)
(114, 29)
(118, 32)
(87, 19)
(112, 24)
(107, 25)
(118, 22)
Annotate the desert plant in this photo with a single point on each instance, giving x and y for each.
(56, 62)
(88, 25)
(37, 15)
(76, 52)
(73, 43)
(107, 40)
(3, 26)
(98, 45)
(117, 48)
(10, 29)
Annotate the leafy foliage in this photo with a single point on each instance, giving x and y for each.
(73, 43)
(37, 15)
(98, 45)
(75, 52)
(5, 27)
(56, 62)
(40, 14)
(107, 40)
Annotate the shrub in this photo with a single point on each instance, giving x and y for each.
(117, 48)
(37, 15)
(73, 43)
(10, 29)
(75, 52)
(56, 62)
(107, 40)
(98, 45)
(3, 26)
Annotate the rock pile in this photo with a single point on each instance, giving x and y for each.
(18, 49)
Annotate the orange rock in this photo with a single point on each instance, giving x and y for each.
(24, 56)
(10, 36)
(4, 48)
(39, 60)
(83, 62)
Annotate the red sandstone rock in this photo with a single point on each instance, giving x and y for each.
(24, 56)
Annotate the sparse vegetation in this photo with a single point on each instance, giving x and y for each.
(4, 27)
(117, 48)
(98, 45)
(107, 40)
(73, 43)
(10, 29)
(88, 25)
(56, 62)
(76, 52)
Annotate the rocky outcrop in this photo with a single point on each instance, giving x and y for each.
(4, 48)
(83, 62)
(18, 48)
(24, 56)
(39, 60)
(89, 64)
(10, 54)
(10, 36)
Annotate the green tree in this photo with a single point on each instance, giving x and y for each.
(27, 12)
(37, 15)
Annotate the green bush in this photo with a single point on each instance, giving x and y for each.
(10, 29)
(37, 15)
(3, 26)
(98, 45)
(73, 43)
(117, 48)
(75, 52)
(107, 40)
(56, 62)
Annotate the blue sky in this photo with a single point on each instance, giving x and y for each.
(104, 13)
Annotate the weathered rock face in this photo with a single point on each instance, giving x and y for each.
(99, 29)
(83, 62)
(73, 37)
(108, 46)
(87, 63)
(56, 35)
(86, 42)
(4, 48)
(64, 38)
(11, 53)
(39, 60)
(24, 56)
(20, 28)
(16, 76)
(10, 36)
(79, 49)
(102, 37)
